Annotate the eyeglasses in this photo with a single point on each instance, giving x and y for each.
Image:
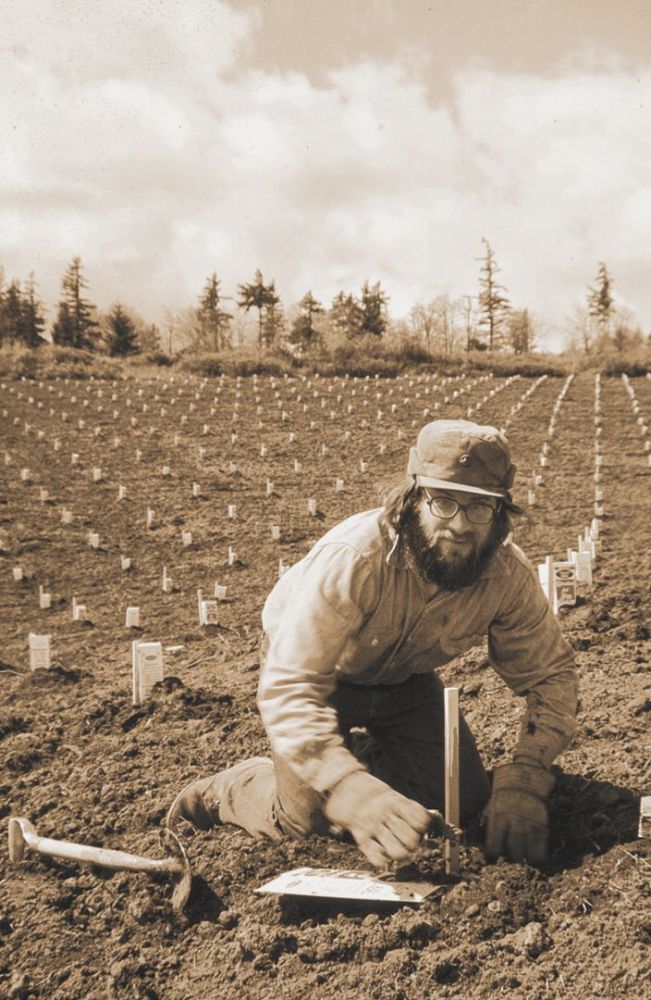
(476, 511)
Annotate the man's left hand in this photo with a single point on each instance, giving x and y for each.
(517, 822)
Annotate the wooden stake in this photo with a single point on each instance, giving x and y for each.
(452, 797)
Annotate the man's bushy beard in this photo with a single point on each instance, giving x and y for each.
(434, 565)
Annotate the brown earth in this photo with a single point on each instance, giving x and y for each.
(81, 763)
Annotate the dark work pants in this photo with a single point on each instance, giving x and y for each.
(404, 747)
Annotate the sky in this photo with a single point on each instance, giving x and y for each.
(328, 142)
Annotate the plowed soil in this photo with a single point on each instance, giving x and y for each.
(82, 763)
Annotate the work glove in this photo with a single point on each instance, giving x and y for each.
(517, 823)
(386, 825)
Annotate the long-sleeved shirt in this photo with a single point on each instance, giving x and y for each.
(355, 609)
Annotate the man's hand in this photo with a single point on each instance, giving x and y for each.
(386, 825)
(517, 824)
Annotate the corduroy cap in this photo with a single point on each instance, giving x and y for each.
(462, 455)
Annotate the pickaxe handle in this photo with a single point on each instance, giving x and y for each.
(23, 835)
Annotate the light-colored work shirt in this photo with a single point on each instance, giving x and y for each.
(356, 609)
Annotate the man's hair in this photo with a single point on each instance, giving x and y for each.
(398, 495)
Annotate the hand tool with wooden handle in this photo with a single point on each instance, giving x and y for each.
(22, 836)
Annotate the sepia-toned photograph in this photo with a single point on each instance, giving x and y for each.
(325, 479)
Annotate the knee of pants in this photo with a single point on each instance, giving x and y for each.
(298, 808)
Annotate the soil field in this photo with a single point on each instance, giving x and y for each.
(83, 764)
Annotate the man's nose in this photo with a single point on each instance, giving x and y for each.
(460, 524)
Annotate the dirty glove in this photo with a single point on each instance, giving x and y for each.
(517, 824)
(386, 825)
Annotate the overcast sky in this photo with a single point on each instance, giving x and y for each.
(327, 142)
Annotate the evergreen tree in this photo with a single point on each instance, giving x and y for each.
(303, 332)
(33, 318)
(600, 301)
(12, 313)
(76, 325)
(273, 323)
(122, 332)
(214, 322)
(346, 315)
(62, 328)
(373, 305)
(494, 304)
(520, 331)
(257, 295)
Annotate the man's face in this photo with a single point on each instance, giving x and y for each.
(451, 551)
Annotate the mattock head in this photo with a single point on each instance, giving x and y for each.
(183, 885)
(18, 827)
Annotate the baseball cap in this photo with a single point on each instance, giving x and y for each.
(462, 455)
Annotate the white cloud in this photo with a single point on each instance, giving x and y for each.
(134, 138)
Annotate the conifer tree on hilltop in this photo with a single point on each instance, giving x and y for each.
(257, 295)
(33, 318)
(122, 332)
(303, 331)
(374, 305)
(21, 314)
(213, 322)
(494, 304)
(76, 324)
(601, 305)
(345, 315)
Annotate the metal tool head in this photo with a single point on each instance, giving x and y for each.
(20, 830)
(181, 892)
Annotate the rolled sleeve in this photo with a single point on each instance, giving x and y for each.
(298, 672)
(527, 649)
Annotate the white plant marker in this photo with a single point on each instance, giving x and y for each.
(275, 532)
(39, 652)
(24, 475)
(232, 556)
(583, 563)
(122, 492)
(44, 599)
(167, 582)
(565, 583)
(297, 466)
(196, 490)
(17, 573)
(186, 538)
(363, 466)
(147, 661)
(132, 617)
(220, 591)
(125, 563)
(339, 485)
(644, 828)
(452, 791)
(232, 511)
(93, 539)
(548, 581)
(208, 610)
(150, 518)
(282, 567)
(97, 475)
(166, 471)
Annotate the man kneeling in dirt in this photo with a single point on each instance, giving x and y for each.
(353, 635)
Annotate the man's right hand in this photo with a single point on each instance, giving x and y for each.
(386, 825)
